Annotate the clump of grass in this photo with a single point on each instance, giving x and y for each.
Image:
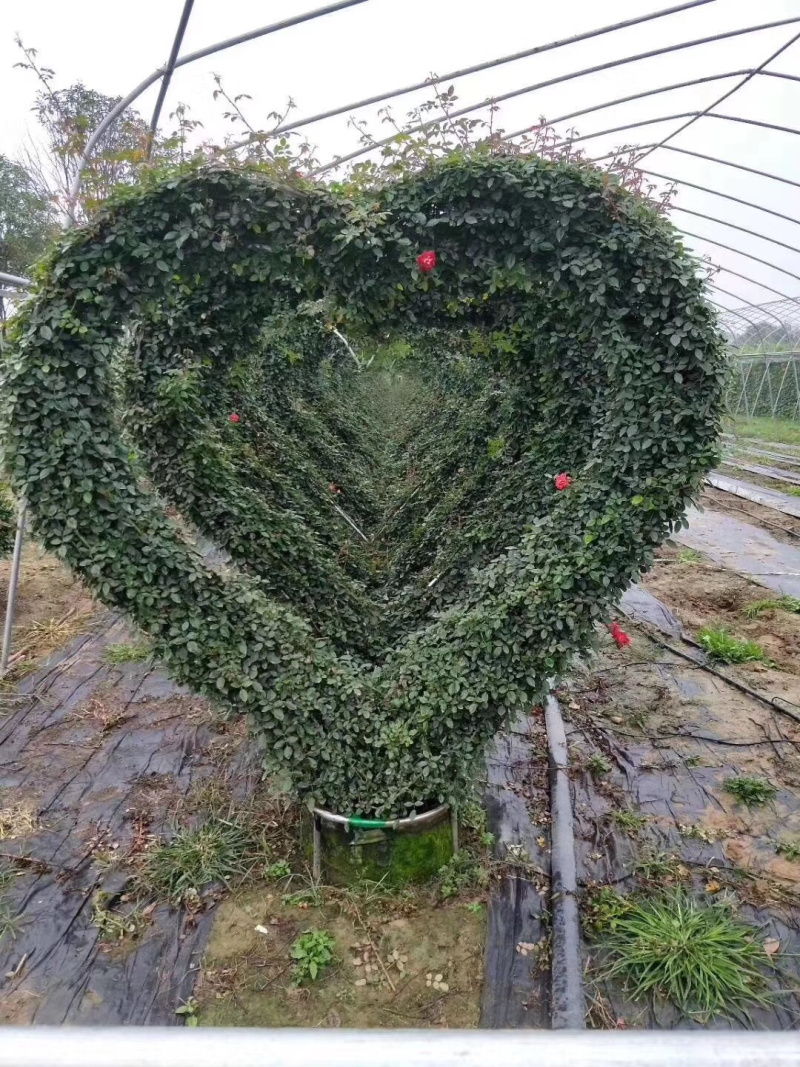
(125, 653)
(792, 490)
(629, 821)
(597, 764)
(781, 603)
(462, 871)
(113, 925)
(789, 849)
(750, 791)
(9, 921)
(698, 956)
(313, 951)
(690, 555)
(17, 821)
(221, 849)
(722, 645)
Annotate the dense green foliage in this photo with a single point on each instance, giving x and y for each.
(8, 522)
(563, 330)
(27, 220)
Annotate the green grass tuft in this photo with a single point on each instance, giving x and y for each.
(629, 821)
(750, 791)
(789, 849)
(722, 645)
(125, 653)
(780, 603)
(690, 555)
(698, 956)
(598, 765)
(220, 850)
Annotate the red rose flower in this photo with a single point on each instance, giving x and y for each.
(619, 635)
(236, 418)
(563, 481)
(426, 262)
(334, 488)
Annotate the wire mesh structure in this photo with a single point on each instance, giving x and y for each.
(764, 342)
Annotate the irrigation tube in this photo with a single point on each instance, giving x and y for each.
(154, 1046)
(567, 1009)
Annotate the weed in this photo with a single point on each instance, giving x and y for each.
(312, 897)
(721, 645)
(112, 925)
(792, 490)
(475, 907)
(690, 556)
(781, 603)
(221, 849)
(701, 833)
(629, 821)
(659, 868)
(9, 921)
(125, 653)
(188, 1009)
(17, 821)
(462, 871)
(604, 907)
(692, 761)
(750, 791)
(698, 956)
(279, 869)
(598, 765)
(789, 849)
(313, 951)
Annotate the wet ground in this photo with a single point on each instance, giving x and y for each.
(99, 752)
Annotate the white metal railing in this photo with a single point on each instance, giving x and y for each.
(180, 1047)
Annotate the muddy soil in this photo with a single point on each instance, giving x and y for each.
(702, 594)
(671, 738)
(419, 964)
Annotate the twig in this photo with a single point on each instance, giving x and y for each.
(347, 518)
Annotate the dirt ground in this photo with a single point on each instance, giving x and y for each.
(406, 963)
(703, 594)
(52, 607)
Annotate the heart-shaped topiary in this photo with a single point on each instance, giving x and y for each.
(559, 330)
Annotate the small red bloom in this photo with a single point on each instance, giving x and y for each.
(236, 418)
(619, 635)
(426, 261)
(563, 480)
(334, 488)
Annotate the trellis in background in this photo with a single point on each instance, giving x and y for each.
(764, 342)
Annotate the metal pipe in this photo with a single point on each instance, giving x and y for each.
(173, 57)
(756, 307)
(653, 92)
(725, 96)
(221, 46)
(734, 226)
(747, 255)
(708, 159)
(667, 118)
(13, 585)
(153, 1046)
(379, 98)
(716, 192)
(13, 279)
(747, 278)
(567, 1008)
(493, 100)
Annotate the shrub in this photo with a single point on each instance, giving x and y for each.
(564, 318)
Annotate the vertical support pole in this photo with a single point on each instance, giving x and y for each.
(454, 826)
(13, 584)
(316, 868)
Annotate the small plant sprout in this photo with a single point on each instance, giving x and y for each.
(790, 850)
(629, 821)
(122, 652)
(188, 1009)
(598, 765)
(690, 556)
(313, 952)
(750, 791)
(722, 645)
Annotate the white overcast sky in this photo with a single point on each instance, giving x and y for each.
(383, 44)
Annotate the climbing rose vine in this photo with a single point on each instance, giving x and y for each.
(377, 645)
